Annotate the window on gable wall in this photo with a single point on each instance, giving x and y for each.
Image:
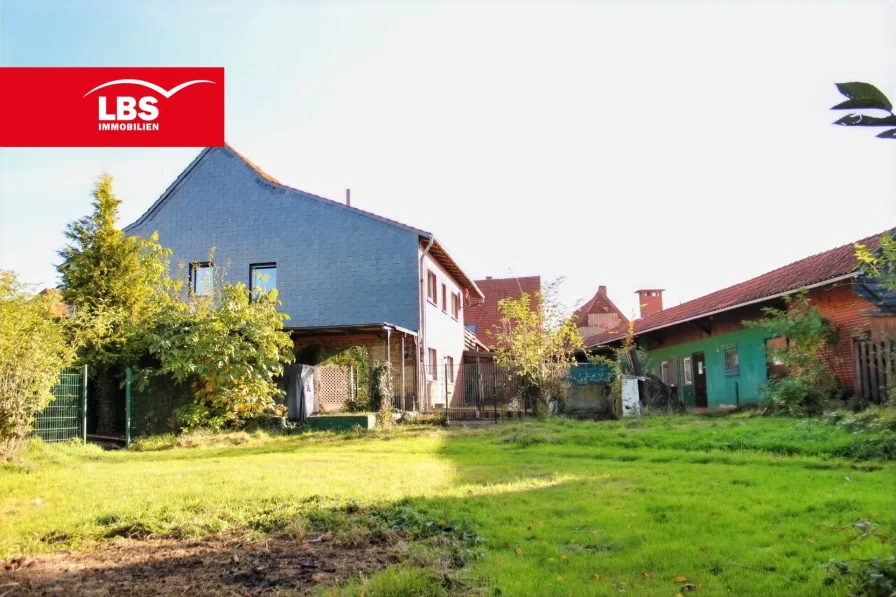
(432, 285)
(455, 305)
(732, 363)
(444, 298)
(202, 278)
(262, 278)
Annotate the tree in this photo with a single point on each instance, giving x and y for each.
(879, 265)
(809, 385)
(228, 347)
(33, 352)
(110, 280)
(864, 96)
(539, 345)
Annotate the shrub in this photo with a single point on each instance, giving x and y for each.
(33, 352)
(228, 348)
(381, 394)
(864, 578)
(810, 386)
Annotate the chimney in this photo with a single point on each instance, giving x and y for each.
(488, 277)
(602, 290)
(348, 197)
(650, 300)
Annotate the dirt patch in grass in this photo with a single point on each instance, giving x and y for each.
(208, 567)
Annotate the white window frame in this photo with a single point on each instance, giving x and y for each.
(432, 287)
(433, 364)
(449, 363)
(664, 372)
(687, 372)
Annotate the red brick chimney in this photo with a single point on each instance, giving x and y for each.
(650, 300)
(602, 290)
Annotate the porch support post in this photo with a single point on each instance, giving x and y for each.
(404, 404)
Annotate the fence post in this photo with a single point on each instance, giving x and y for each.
(127, 408)
(495, 393)
(84, 404)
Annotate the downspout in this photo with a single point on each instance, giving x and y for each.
(421, 358)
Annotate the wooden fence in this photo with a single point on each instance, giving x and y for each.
(875, 374)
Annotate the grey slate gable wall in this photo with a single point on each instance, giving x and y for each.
(335, 266)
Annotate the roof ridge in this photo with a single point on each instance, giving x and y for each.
(768, 273)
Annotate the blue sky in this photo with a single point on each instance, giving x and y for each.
(686, 147)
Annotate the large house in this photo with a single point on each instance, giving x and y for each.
(484, 319)
(345, 276)
(599, 314)
(703, 348)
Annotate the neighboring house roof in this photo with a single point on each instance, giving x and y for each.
(471, 342)
(822, 268)
(438, 249)
(486, 316)
(599, 303)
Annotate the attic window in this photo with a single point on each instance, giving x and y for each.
(262, 278)
(202, 278)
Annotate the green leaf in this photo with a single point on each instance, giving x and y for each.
(864, 120)
(866, 92)
(858, 104)
(890, 134)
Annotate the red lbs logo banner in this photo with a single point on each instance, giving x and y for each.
(111, 107)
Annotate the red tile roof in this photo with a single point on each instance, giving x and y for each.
(817, 269)
(487, 316)
(599, 303)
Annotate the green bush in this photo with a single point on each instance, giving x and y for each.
(228, 348)
(864, 578)
(33, 352)
(381, 394)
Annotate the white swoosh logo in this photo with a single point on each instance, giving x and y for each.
(163, 92)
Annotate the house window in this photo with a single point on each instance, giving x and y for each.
(444, 298)
(449, 362)
(455, 305)
(472, 327)
(686, 371)
(433, 364)
(732, 365)
(432, 285)
(262, 278)
(202, 278)
(664, 372)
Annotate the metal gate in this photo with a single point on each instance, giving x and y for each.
(65, 417)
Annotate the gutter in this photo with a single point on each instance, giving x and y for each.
(422, 334)
(737, 306)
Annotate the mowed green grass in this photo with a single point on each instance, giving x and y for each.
(738, 506)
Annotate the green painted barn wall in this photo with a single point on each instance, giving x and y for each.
(720, 388)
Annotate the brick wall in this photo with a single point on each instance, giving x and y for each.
(335, 266)
(843, 308)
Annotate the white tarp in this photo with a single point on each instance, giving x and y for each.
(631, 402)
(309, 402)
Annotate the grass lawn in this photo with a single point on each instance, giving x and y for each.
(736, 505)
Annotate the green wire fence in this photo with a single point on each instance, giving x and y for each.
(151, 404)
(65, 417)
